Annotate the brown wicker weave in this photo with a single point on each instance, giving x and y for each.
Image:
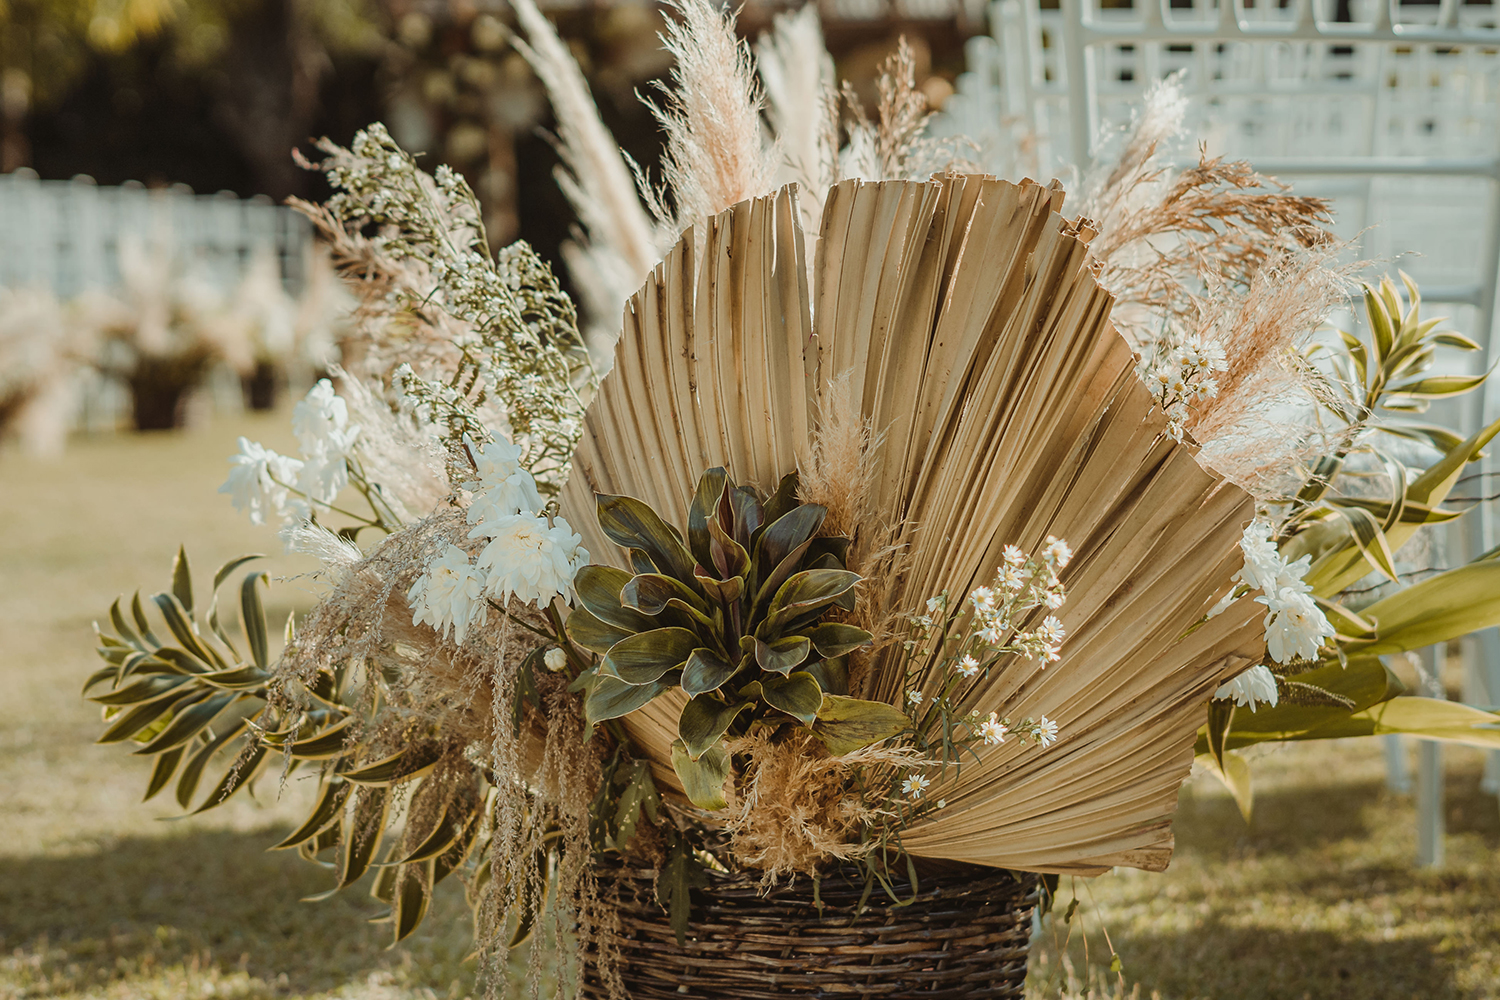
(965, 936)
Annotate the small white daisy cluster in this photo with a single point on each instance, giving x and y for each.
(1296, 627)
(527, 554)
(1021, 585)
(1181, 374)
(262, 481)
(993, 730)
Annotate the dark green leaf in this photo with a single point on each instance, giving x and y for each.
(331, 742)
(122, 629)
(705, 671)
(182, 627)
(413, 894)
(161, 773)
(182, 580)
(784, 500)
(148, 688)
(245, 767)
(632, 524)
(797, 695)
(187, 785)
(645, 657)
(838, 639)
(361, 837)
(649, 593)
(808, 591)
(592, 633)
(680, 874)
(398, 767)
(188, 722)
(253, 618)
(704, 721)
(705, 501)
(230, 567)
(330, 804)
(832, 674)
(788, 533)
(1220, 717)
(598, 589)
(136, 719)
(610, 698)
(782, 656)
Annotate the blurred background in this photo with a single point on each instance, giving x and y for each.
(152, 278)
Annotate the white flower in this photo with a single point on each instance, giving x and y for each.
(1250, 688)
(1052, 631)
(1289, 576)
(258, 481)
(1053, 600)
(516, 494)
(450, 594)
(990, 634)
(933, 604)
(1046, 732)
(914, 784)
(1014, 557)
(1057, 551)
(321, 422)
(1223, 603)
(1295, 626)
(529, 560)
(1263, 563)
(494, 464)
(983, 598)
(992, 731)
(555, 659)
(1011, 578)
(914, 698)
(967, 665)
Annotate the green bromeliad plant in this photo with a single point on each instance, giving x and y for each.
(736, 616)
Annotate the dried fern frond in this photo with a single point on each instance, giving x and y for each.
(717, 153)
(965, 315)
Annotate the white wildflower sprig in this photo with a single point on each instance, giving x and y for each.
(1181, 372)
(1296, 628)
(524, 350)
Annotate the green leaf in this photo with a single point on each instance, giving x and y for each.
(136, 719)
(609, 698)
(702, 779)
(1438, 609)
(807, 591)
(327, 809)
(832, 674)
(1450, 339)
(230, 567)
(1380, 324)
(166, 766)
(705, 671)
(442, 837)
(729, 557)
(838, 639)
(797, 695)
(187, 723)
(1370, 540)
(650, 593)
(592, 633)
(182, 580)
(122, 629)
(148, 688)
(1220, 716)
(182, 627)
(782, 656)
(598, 589)
(253, 618)
(1365, 682)
(680, 874)
(361, 836)
(398, 767)
(187, 784)
(705, 501)
(413, 895)
(1234, 774)
(632, 524)
(1440, 386)
(240, 773)
(784, 500)
(331, 742)
(849, 724)
(1426, 718)
(704, 721)
(141, 621)
(788, 533)
(644, 658)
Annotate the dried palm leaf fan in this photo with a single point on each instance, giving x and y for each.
(965, 317)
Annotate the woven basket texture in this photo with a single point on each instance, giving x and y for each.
(964, 936)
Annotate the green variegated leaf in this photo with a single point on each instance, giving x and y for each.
(326, 810)
(644, 658)
(1436, 610)
(142, 624)
(705, 671)
(1234, 773)
(702, 779)
(187, 784)
(849, 724)
(253, 619)
(838, 639)
(704, 721)
(161, 773)
(413, 896)
(240, 773)
(409, 763)
(182, 581)
(122, 629)
(782, 656)
(1440, 386)
(131, 722)
(188, 721)
(609, 698)
(632, 524)
(230, 567)
(148, 688)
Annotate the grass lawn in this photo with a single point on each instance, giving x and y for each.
(103, 896)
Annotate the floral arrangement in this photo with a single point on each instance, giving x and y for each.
(881, 550)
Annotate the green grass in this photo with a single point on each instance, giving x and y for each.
(104, 896)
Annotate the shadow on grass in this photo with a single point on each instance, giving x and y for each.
(209, 898)
(1283, 820)
(1215, 961)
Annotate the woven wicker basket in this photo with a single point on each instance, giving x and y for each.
(965, 936)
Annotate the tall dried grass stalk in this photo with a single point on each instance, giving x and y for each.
(801, 106)
(716, 153)
(619, 244)
(896, 145)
